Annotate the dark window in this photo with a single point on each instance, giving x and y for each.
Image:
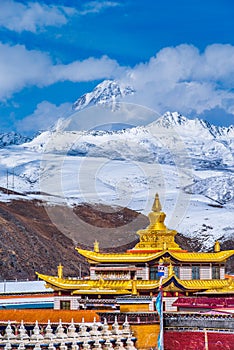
(195, 272)
(65, 305)
(215, 272)
(154, 273)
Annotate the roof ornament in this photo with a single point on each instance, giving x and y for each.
(157, 216)
(134, 287)
(170, 269)
(49, 332)
(60, 271)
(60, 331)
(9, 333)
(23, 335)
(217, 247)
(96, 246)
(36, 333)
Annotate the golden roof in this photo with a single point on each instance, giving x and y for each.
(134, 257)
(228, 288)
(125, 286)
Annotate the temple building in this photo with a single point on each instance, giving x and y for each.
(156, 261)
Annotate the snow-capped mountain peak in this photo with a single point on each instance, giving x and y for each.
(171, 119)
(106, 93)
(178, 122)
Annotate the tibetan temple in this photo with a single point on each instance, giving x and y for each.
(136, 273)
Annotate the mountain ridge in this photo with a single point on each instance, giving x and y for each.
(12, 138)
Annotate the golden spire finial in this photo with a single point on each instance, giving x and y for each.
(60, 271)
(96, 246)
(217, 247)
(170, 270)
(134, 287)
(156, 205)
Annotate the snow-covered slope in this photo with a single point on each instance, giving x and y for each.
(218, 188)
(189, 162)
(12, 138)
(108, 93)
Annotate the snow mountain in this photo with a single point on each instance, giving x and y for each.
(107, 93)
(170, 139)
(176, 120)
(189, 162)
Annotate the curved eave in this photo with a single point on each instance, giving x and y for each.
(89, 285)
(125, 257)
(146, 257)
(203, 257)
(203, 284)
(219, 291)
(63, 283)
(125, 286)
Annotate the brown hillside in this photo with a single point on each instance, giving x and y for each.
(31, 242)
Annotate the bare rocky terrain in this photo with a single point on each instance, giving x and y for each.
(30, 242)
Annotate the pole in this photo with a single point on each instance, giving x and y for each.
(206, 340)
(161, 318)
(159, 308)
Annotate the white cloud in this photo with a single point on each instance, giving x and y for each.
(97, 6)
(87, 70)
(44, 116)
(181, 78)
(32, 16)
(20, 68)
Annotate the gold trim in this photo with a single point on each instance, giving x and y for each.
(95, 257)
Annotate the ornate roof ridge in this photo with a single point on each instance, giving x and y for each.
(148, 256)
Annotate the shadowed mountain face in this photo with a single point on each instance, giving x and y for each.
(30, 242)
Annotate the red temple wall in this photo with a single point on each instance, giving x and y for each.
(196, 341)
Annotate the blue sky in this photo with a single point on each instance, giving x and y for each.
(178, 55)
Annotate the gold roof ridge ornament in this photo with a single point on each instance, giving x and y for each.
(170, 269)
(134, 287)
(60, 270)
(96, 246)
(217, 247)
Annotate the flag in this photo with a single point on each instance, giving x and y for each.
(159, 308)
(161, 270)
